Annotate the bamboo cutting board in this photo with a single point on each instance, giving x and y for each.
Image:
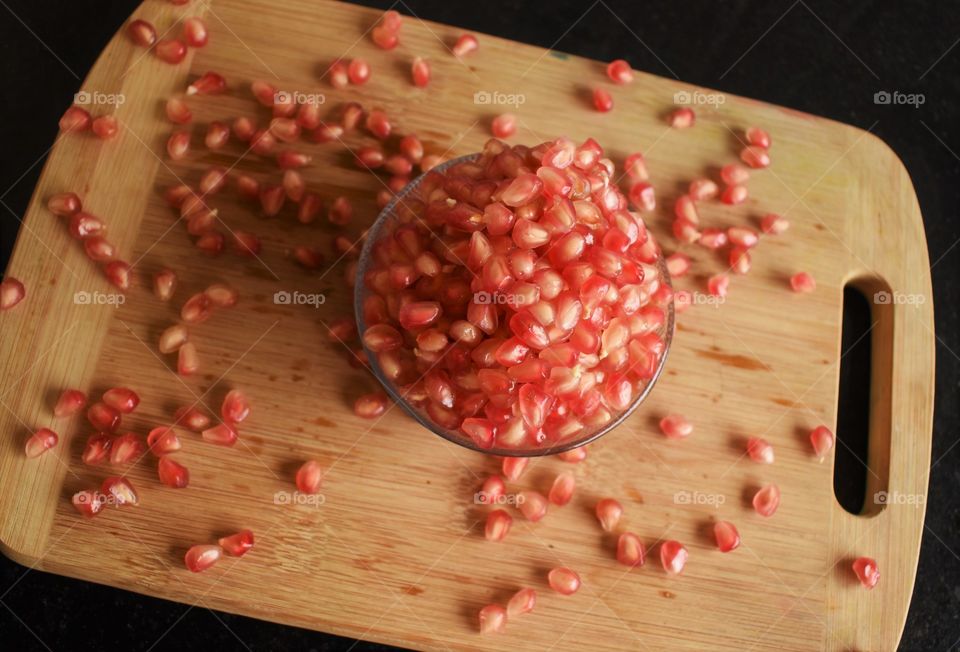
(395, 552)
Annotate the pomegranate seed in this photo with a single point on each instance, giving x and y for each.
(209, 83)
(685, 231)
(75, 119)
(310, 207)
(727, 536)
(246, 244)
(383, 38)
(196, 309)
(12, 292)
(676, 426)
(121, 399)
(740, 260)
(774, 224)
(742, 237)
(734, 195)
(64, 204)
(195, 32)
(678, 265)
(574, 455)
(620, 72)
(609, 512)
(369, 157)
(126, 449)
(867, 571)
(533, 505)
(178, 145)
(636, 167)
(513, 467)
(504, 125)
(142, 33)
(40, 442)
(170, 50)
(491, 491)
(673, 557)
(522, 602)
(493, 619)
(105, 127)
(244, 129)
(103, 417)
(498, 525)
(69, 403)
(118, 273)
(237, 545)
(172, 338)
(378, 124)
(602, 100)
(341, 211)
(430, 161)
(759, 450)
(630, 550)
(83, 225)
(358, 72)
(682, 118)
(734, 175)
(119, 491)
(235, 407)
(382, 337)
(87, 502)
(97, 449)
(188, 361)
(411, 147)
(370, 406)
(803, 282)
(309, 477)
(465, 44)
(178, 112)
(222, 434)
(288, 160)
(172, 474)
(398, 165)
(200, 558)
(755, 157)
(717, 285)
(284, 129)
(420, 72)
(822, 440)
(192, 418)
(562, 490)
(702, 189)
(759, 137)
(767, 500)
(563, 580)
(163, 441)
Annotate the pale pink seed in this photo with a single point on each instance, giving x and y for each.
(630, 550)
(734, 174)
(188, 360)
(513, 467)
(767, 500)
(119, 491)
(678, 265)
(222, 434)
(221, 295)
(757, 136)
(370, 406)
(195, 32)
(620, 72)
(218, 134)
(465, 44)
(420, 72)
(718, 284)
(178, 112)
(803, 282)
(493, 619)
(774, 224)
(40, 442)
(196, 309)
(867, 572)
(358, 71)
(163, 440)
(673, 557)
(742, 236)
(122, 399)
(676, 426)
(87, 502)
(192, 418)
(378, 124)
(75, 119)
(71, 402)
(740, 260)
(126, 449)
(609, 512)
(173, 338)
(562, 490)
(504, 125)
(200, 558)
(760, 450)
(105, 127)
(563, 580)
(235, 407)
(726, 535)
(498, 525)
(178, 145)
(213, 180)
(492, 490)
(309, 477)
(532, 504)
(822, 440)
(681, 118)
(103, 417)
(703, 189)
(99, 249)
(755, 157)
(713, 238)
(636, 167)
(734, 195)
(12, 292)
(574, 455)
(64, 204)
(522, 602)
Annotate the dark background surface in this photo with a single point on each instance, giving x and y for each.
(823, 57)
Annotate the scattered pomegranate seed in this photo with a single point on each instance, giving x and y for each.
(682, 118)
(119, 491)
(673, 557)
(734, 195)
(71, 401)
(12, 292)
(200, 558)
(504, 125)
(533, 505)
(235, 407)
(757, 136)
(196, 309)
(195, 32)
(173, 338)
(734, 175)
(105, 127)
(726, 535)
(702, 189)
(803, 282)
(121, 399)
(718, 284)
(172, 474)
(755, 157)
(493, 619)
(678, 265)
(142, 33)
(562, 490)
(491, 491)
(411, 147)
(170, 50)
(341, 211)
(563, 580)
(620, 71)
(609, 512)
(88, 502)
(177, 111)
(178, 145)
(420, 72)
(767, 500)
(64, 204)
(309, 477)
(498, 525)
(676, 426)
(465, 44)
(237, 545)
(83, 225)
(163, 440)
(602, 100)
(759, 450)
(222, 434)
(97, 449)
(358, 71)
(574, 455)
(774, 224)
(40, 442)
(378, 124)
(75, 119)
(209, 83)
(522, 602)
(370, 406)
(188, 361)
(740, 260)
(822, 440)
(867, 571)
(103, 417)
(630, 550)
(192, 418)
(636, 167)
(126, 449)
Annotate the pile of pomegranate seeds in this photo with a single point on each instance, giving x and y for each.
(538, 285)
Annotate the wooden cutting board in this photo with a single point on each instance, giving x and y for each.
(395, 552)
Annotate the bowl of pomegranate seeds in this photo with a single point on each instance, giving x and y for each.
(510, 302)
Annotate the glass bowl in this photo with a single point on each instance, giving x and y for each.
(389, 215)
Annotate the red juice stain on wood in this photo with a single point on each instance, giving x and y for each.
(732, 359)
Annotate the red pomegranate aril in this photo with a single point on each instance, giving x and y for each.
(170, 50)
(192, 418)
(493, 619)
(382, 337)
(12, 292)
(309, 477)
(178, 145)
(563, 580)
(293, 187)
(760, 450)
(678, 265)
(97, 449)
(767, 500)
(676, 426)
(222, 434)
(620, 72)
(358, 71)
(734, 195)
(172, 473)
(741, 236)
(246, 244)
(126, 449)
(119, 492)
(504, 125)
(64, 204)
(713, 238)
(196, 309)
(681, 118)
(630, 550)
(574, 455)
(492, 490)
(513, 467)
(774, 224)
(195, 32)
(244, 129)
(673, 557)
(121, 399)
(702, 189)
(40, 442)
(734, 174)
(755, 157)
(188, 360)
(118, 273)
(867, 572)
(71, 401)
(200, 558)
(370, 156)
(562, 490)
(609, 512)
(237, 545)
(289, 159)
(310, 206)
(163, 440)
(370, 406)
(222, 296)
(602, 100)
(378, 124)
(717, 285)
(88, 502)
(235, 407)
(420, 72)
(757, 136)
(498, 525)
(465, 44)
(75, 119)
(481, 431)
(384, 38)
(178, 112)
(341, 211)
(103, 417)
(284, 129)
(105, 127)
(209, 83)
(98, 248)
(802, 282)
(726, 535)
(411, 147)
(522, 602)
(740, 260)
(821, 438)
(142, 33)
(172, 338)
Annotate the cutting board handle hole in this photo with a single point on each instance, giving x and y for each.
(862, 453)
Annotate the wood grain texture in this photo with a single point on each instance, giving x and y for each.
(395, 553)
